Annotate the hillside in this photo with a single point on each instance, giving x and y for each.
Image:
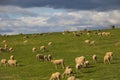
(65, 47)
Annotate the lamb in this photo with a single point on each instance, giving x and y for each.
(71, 78)
(68, 71)
(58, 62)
(3, 62)
(34, 49)
(107, 59)
(42, 48)
(94, 58)
(40, 57)
(12, 62)
(55, 76)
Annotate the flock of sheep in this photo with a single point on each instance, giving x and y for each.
(80, 61)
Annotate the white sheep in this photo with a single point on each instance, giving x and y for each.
(78, 67)
(109, 54)
(12, 62)
(107, 59)
(58, 62)
(55, 76)
(40, 57)
(80, 60)
(94, 57)
(11, 49)
(34, 49)
(42, 48)
(12, 57)
(92, 42)
(50, 43)
(86, 63)
(49, 57)
(3, 62)
(71, 78)
(68, 71)
(87, 41)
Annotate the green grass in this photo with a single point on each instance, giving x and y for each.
(64, 46)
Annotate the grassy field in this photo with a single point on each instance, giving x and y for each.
(66, 47)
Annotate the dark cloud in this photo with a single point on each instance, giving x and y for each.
(66, 4)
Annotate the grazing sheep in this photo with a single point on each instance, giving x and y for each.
(86, 63)
(11, 49)
(49, 57)
(3, 49)
(55, 76)
(94, 58)
(3, 62)
(92, 42)
(58, 62)
(87, 41)
(25, 41)
(50, 43)
(71, 78)
(78, 67)
(45, 57)
(80, 60)
(12, 62)
(12, 57)
(109, 54)
(34, 49)
(40, 57)
(68, 71)
(107, 59)
(42, 48)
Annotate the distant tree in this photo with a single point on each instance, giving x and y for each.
(113, 26)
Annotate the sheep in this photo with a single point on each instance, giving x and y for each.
(80, 60)
(3, 49)
(12, 62)
(92, 42)
(106, 59)
(12, 57)
(94, 58)
(78, 67)
(49, 57)
(3, 62)
(86, 63)
(25, 41)
(45, 57)
(11, 49)
(87, 41)
(109, 54)
(50, 43)
(68, 71)
(4, 41)
(34, 49)
(40, 57)
(55, 76)
(71, 78)
(42, 48)
(58, 62)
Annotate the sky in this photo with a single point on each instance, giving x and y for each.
(38, 16)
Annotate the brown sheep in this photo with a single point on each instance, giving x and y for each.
(40, 57)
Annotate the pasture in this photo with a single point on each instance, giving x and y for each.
(65, 47)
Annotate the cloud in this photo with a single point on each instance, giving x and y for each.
(66, 4)
(55, 21)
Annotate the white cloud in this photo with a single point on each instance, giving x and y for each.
(55, 20)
